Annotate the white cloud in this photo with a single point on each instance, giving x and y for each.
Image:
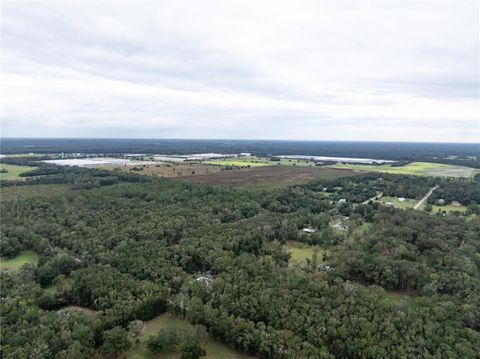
(285, 70)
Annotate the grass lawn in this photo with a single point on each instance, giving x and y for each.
(13, 171)
(448, 208)
(214, 348)
(418, 169)
(16, 262)
(301, 252)
(408, 203)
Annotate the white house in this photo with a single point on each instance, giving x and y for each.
(342, 200)
(309, 230)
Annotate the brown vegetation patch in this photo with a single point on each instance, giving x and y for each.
(269, 176)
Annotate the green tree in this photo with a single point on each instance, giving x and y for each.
(193, 351)
(135, 329)
(166, 339)
(115, 341)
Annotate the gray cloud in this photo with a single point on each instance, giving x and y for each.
(289, 70)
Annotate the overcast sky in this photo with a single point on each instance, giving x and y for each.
(360, 70)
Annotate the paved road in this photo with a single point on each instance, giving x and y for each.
(419, 203)
(378, 196)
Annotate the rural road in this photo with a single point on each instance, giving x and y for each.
(373, 198)
(419, 203)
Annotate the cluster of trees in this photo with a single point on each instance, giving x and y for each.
(464, 191)
(131, 251)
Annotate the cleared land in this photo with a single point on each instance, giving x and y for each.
(417, 168)
(408, 203)
(166, 170)
(270, 176)
(77, 309)
(448, 208)
(301, 252)
(18, 261)
(14, 171)
(213, 348)
(259, 161)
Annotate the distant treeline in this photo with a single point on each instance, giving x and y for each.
(459, 154)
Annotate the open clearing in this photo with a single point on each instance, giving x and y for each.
(213, 348)
(270, 176)
(260, 161)
(407, 203)
(13, 171)
(302, 251)
(448, 208)
(77, 309)
(18, 261)
(417, 168)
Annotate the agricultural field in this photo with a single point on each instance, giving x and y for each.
(254, 161)
(270, 176)
(40, 190)
(166, 169)
(301, 252)
(16, 262)
(240, 162)
(417, 169)
(13, 171)
(213, 348)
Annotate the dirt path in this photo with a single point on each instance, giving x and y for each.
(378, 196)
(419, 203)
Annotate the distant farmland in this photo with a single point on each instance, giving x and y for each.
(417, 168)
(270, 176)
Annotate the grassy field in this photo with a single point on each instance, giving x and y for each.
(213, 348)
(18, 261)
(417, 168)
(240, 162)
(167, 170)
(259, 161)
(301, 252)
(41, 190)
(408, 203)
(13, 171)
(267, 177)
(448, 208)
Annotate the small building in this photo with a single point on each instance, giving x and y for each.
(206, 279)
(456, 204)
(341, 226)
(401, 199)
(389, 204)
(309, 230)
(440, 201)
(342, 200)
(325, 189)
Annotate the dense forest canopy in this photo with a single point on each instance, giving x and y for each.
(131, 248)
